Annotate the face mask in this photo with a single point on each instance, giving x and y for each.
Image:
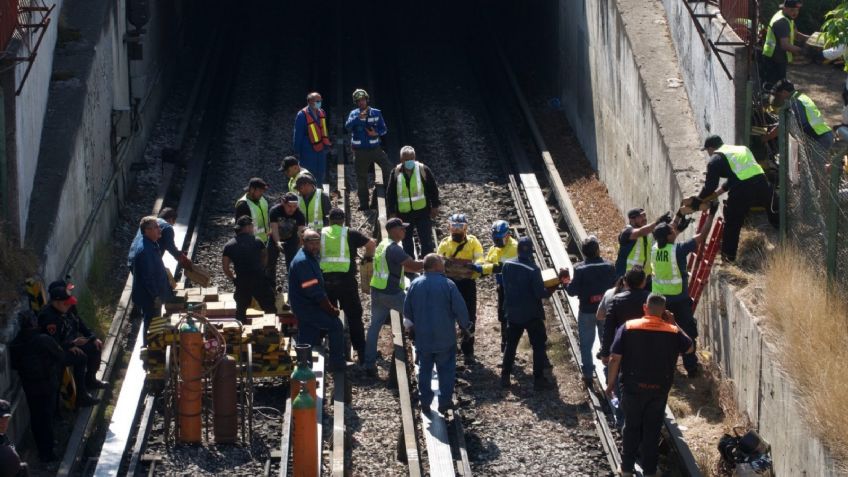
(458, 237)
(317, 104)
(499, 242)
(409, 164)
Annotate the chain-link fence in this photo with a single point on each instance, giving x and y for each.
(816, 196)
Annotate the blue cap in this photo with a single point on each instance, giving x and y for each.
(525, 244)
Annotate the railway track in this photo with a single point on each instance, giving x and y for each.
(544, 213)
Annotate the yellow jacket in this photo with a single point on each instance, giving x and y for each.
(498, 255)
(471, 251)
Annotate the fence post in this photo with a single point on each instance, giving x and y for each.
(746, 134)
(833, 215)
(783, 171)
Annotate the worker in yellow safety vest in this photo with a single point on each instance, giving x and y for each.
(314, 203)
(254, 205)
(338, 265)
(291, 169)
(779, 45)
(412, 195)
(504, 247)
(464, 257)
(311, 138)
(807, 114)
(746, 186)
(668, 260)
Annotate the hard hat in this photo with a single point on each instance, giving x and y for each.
(359, 94)
(458, 219)
(499, 229)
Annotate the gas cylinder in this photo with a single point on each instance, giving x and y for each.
(224, 401)
(303, 373)
(305, 442)
(191, 386)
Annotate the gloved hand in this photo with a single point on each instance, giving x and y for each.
(664, 218)
(184, 261)
(474, 267)
(497, 268)
(684, 222)
(328, 307)
(695, 202)
(467, 334)
(713, 208)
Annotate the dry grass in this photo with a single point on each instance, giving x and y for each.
(812, 319)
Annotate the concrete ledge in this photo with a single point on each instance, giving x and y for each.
(762, 389)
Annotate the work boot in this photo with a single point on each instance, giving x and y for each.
(371, 372)
(444, 408)
(86, 400)
(542, 384)
(588, 382)
(505, 383)
(468, 358)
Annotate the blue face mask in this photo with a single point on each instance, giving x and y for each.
(317, 104)
(409, 164)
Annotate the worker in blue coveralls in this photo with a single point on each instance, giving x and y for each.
(311, 137)
(310, 304)
(366, 127)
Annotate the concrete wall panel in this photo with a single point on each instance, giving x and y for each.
(30, 107)
(717, 101)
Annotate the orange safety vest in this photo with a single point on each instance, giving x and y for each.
(651, 323)
(318, 138)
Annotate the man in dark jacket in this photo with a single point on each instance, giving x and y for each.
(625, 305)
(81, 348)
(592, 278)
(38, 360)
(248, 256)
(310, 303)
(412, 194)
(150, 278)
(523, 311)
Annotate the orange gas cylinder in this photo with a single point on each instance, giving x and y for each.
(305, 442)
(191, 386)
(224, 401)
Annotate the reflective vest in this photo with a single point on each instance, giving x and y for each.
(412, 197)
(741, 161)
(293, 180)
(318, 136)
(259, 214)
(500, 255)
(814, 116)
(313, 211)
(771, 40)
(335, 254)
(380, 278)
(639, 254)
(667, 279)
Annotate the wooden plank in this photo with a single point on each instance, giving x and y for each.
(462, 464)
(407, 419)
(123, 416)
(285, 441)
(436, 431)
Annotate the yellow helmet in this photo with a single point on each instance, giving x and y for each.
(359, 94)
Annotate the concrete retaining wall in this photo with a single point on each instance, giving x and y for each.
(30, 107)
(762, 389)
(718, 102)
(615, 61)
